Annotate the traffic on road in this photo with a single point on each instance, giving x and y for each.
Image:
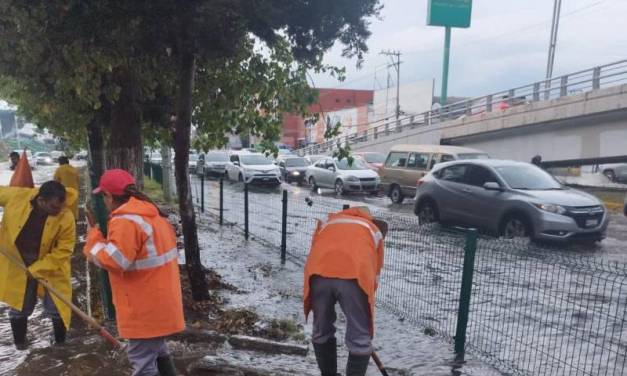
(450, 185)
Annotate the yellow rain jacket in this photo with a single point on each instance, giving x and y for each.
(68, 176)
(57, 245)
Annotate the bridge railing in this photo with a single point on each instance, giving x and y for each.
(570, 84)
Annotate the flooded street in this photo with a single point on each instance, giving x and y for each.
(532, 306)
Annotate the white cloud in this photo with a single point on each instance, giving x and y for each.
(506, 46)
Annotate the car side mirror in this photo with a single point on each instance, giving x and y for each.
(492, 186)
(236, 163)
(331, 168)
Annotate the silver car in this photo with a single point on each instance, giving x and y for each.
(511, 199)
(342, 176)
(214, 163)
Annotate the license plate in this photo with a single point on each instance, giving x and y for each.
(592, 222)
(266, 179)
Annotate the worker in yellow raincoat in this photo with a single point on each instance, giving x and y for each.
(67, 175)
(38, 227)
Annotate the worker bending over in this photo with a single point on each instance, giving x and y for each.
(37, 229)
(343, 266)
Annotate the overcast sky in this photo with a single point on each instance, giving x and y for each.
(506, 45)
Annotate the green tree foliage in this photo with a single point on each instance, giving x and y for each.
(131, 65)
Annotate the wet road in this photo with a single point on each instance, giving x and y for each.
(535, 310)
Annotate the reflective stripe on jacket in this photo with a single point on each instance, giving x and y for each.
(347, 245)
(141, 255)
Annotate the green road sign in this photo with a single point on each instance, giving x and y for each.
(449, 13)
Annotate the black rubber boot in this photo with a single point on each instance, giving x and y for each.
(326, 356)
(165, 365)
(59, 331)
(18, 326)
(357, 365)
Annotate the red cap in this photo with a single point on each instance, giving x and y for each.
(114, 182)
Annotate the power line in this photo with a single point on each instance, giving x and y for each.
(397, 65)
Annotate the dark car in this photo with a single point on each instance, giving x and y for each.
(293, 169)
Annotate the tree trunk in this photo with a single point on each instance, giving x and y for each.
(124, 146)
(182, 138)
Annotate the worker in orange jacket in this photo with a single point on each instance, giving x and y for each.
(141, 256)
(343, 266)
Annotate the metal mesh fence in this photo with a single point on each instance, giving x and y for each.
(534, 310)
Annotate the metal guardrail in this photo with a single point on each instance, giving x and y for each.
(599, 77)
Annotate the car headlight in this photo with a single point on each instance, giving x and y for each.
(296, 173)
(352, 178)
(551, 208)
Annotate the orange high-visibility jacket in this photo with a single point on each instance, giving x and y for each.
(347, 245)
(141, 257)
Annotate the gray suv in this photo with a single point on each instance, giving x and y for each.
(511, 199)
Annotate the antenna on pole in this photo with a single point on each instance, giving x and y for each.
(395, 57)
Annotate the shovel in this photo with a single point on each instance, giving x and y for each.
(88, 319)
(379, 364)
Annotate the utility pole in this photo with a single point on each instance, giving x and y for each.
(397, 65)
(557, 7)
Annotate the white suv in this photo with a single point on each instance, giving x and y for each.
(253, 168)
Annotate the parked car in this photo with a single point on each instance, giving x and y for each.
(193, 162)
(511, 199)
(81, 155)
(373, 160)
(405, 164)
(616, 172)
(253, 168)
(342, 176)
(56, 154)
(293, 169)
(213, 164)
(44, 159)
(315, 158)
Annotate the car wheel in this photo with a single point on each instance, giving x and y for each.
(427, 212)
(610, 174)
(397, 195)
(515, 226)
(312, 184)
(339, 188)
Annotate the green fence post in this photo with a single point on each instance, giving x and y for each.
(246, 210)
(284, 228)
(466, 291)
(105, 287)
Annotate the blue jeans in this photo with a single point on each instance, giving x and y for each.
(30, 300)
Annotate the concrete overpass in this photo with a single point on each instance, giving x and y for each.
(578, 116)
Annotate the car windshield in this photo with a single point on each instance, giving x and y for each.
(296, 162)
(216, 157)
(357, 165)
(43, 155)
(473, 156)
(255, 159)
(193, 157)
(155, 156)
(528, 177)
(374, 157)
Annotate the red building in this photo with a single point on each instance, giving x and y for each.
(329, 100)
